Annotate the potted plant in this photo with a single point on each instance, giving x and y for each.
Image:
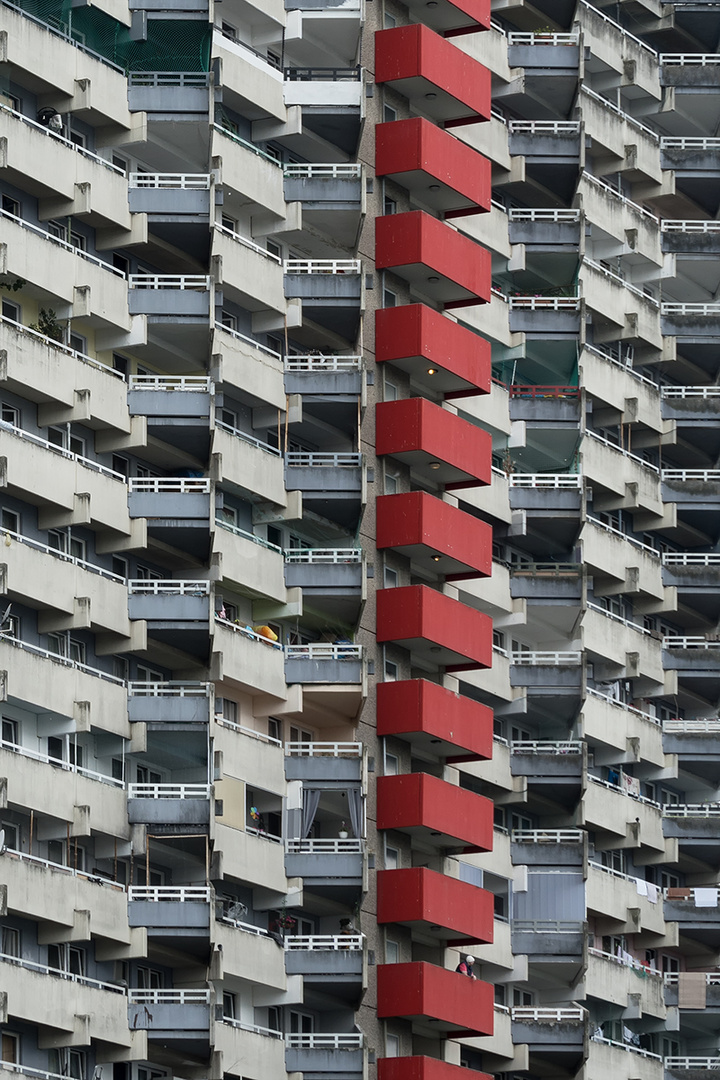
(343, 830)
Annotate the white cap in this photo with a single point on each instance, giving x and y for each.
(469, 959)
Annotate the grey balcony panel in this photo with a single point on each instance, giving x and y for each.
(169, 302)
(690, 327)
(340, 578)
(544, 58)
(168, 403)
(547, 765)
(546, 588)
(168, 99)
(690, 75)
(544, 323)
(688, 914)
(689, 1074)
(697, 661)
(318, 382)
(700, 744)
(169, 915)
(330, 1064)
(182, 710)
(329, 869)
(321, 5)
(309, 670)
(334, 963)
(549, 234)
(169, 201)
(546, 499)
(689, 160)
(168, 607)
(326, 193)
(712, 994)
(537, 944)
(178, 505)
(697, 493)
(705, 579)
(692, 243)
(195, 7)
(180, 1021)
(324, 480)
(693, 829)
(323, 289)
(561, 677)
(538, 854)
(168, 811)
(555, 145)
(545, 410)
(319, 769)
(561, 1035)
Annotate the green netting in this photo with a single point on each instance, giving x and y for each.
(171, 44)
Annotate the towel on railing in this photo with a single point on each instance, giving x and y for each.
(692, 990)
(706, 897)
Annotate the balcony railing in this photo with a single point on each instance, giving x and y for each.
(322, 74)
(545, 480)
(625, 116)
(706, 726)
(675, 641)
(195, 79)
(257, 1029)
(606, 272)
(57, 137)
(545, 747)
(58, 345)
(196, 282)
(619, 790)
(320, 650)
(28, 226)
(621, 450)
(616, 26)
(617, 618)
(672, 978)
(169, 791)
(353, 845)
(619, 195)
(95, 879)
(570, 658)
(259, 735)
(138, 996)
(622, 705)
(169, 689)
(324, 556)
(693, 810)
(625, 1046)
(528, 1014)
(173, 181)
(690, 309)
(555, 216)
(323, 942)
(547, 926)
(239, 434)
(686, 59)
(89, 463)
(143, 587)
(324, 749)
(544, 127)
(247, 631)
(686, 143)
(624, 960)
(320, 363)
(543, 39)
(544, 303)
(322, 266)
(93, 568)
(248, 243)
(671, 225)
(179, 894)
(195, 485)
(192, 383)
(323, 172)
(706, 476)
(691, 558)
(624, 536)
(58, 763)
(321, 1041)
(237, 531)
(66, 661)
(60, 973)
(250, 341)
(298, 459)
(626, 365)
(547, 836)
(699, 1063)
(543, 393)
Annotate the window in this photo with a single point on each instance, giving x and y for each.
(10, 940)
(12, 836)
(390, 578)
(146, 674)
(273, 248)
(390, 483)
(392, 858)
(56, 852)
(229, 710)
(228, 320)
(392, 765)
(9, 414)
(120, 566)
(390, 391)
(11, 627)
(121, 668)
(390, 206)
(69, 1063)
(120, 163)
(120, 363)
(389, 21)
(64, 645)
(10, 1048)
(229, 223)
(150, 978)
(614, 860)
(117, 769)
(389, 298)
(522, 998)
(228, 1006)
(11, 311)
(392, 1042)
(64, 438)
(274, 60)
(68, 958)
(228, 30)
(10, 521)
(392, 952)
(78, 138)
(389, 113)
(10, 206)
(391, 671)
(78, 343)
(669, 963)
(275, 728)
(59, 230)
(9, 732)
(67, 544)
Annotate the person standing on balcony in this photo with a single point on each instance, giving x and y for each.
(465, 967)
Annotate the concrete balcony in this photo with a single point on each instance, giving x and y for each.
(695, 826)
(608, 722)
(613, 132)
(419, 1068)
(66, 178)
(547, 673)
(611, 299)
(169, 93)
(620, 478)
(181, 198)
(712, 990)
(319, 662)
(171, 1015)
(247, 76)
(332, 580)
(169, 702)
(324, 762)
(548, 847)
(251, 275)
(546, 140)
(55, 684)
(613, 897)
(691, 406)
(556, 1031)
(691, 237)
(547, 581)
(544, 318)
(249, 561)
(332, 197)
(169, 397)
(621, 387)
(248, 365)
(613, 213)
(631, 822)
(691, 490)
(49, 477)
(170, 296)
(170, 911)
(436, 629)
(434, 999)
(614, 557)
(696, 661)
(691, 157)
(250, 754)
(249, 857)
(547, 763)
(324, 375)
(546, 229)
(322, 863)
(248, 465)
(88, 1009)
(247, 660)
(261, 1050)
(610, 979)
(335, 1055)
(331, 292)
(68, 592)
(248, 171)
(249, 953)
(334, 962)
(169, 804)
(622, 644)
(332, 485)
(686, 907)
(173, 506)
(175, 605)
(623, 1061)
(549, 941)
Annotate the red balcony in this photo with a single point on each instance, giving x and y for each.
(437, 445)
(436, 168)
(437, 78)
(433, 258)
(434, 719)
(449, 909)
(422, 1068)
(437, 629)
(436, 1000)
(439, 354)
(435, 535)
(440, 814)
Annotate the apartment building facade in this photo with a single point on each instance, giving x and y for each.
(359, 490)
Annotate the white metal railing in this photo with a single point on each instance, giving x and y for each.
(515, 38)
(60, 973)
(625, 1046)
(237, 531)
(606, 272)
(556, 216)
(181, 894)
(625, 116)
(323, 942)
(598, 780)
(324, 556)
(545, 480)
(546, 659)
(246, 631)
(58, 242)
(25, 646)
(323, 172)
(320, 650)
(624, 961)
(163, 587)
(691, 558)
(174, 181)
(619, 195)
(248, 243)
(317, 1040)
(672, 225)
(247, 145)
(622, 705)
(196, 282)
(690, 391)
(690, 309)
(138, 996)
(679, 641)
(25, 1070)
(246, 928)
(621, 450)
(192, 383)
(257, 1029)
(689, 59)
(245, 437)
(57, 137)
(66, 766)
(545, 747)
(322, 266)
(691, 1063)
(615, 873)
(544, 127)
(706, 725)
(672, 978)
(185, 485)
(250, 341)
(529, 1014)
(705, 475)
(89, 463)
(298, 459)
(547, 926)
(624, 536)
(616, 26)
(93, 568)
(353, 845)
(544, 303)
(197, 79)
(169, 689)
(547, 836)
(625, 365)
(95, 879)
(263, 834)
(169, 791)
(685, 143)
(259, 735)
(324, 749)
(58, 345)
(617, 618)
(318, 362)
(692, 810)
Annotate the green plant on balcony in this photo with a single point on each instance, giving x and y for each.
(48, 325)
